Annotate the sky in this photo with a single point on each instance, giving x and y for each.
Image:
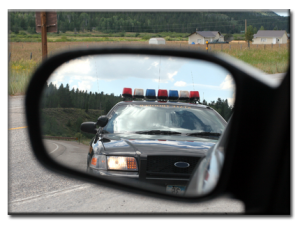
(111, 73)
(282, 12)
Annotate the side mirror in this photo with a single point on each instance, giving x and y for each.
(102, 121)
(89, 127)
(226, 170)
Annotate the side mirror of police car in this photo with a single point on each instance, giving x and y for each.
(88, 127)
(102, 121)
(248, 159)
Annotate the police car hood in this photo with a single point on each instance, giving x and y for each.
(131, 144)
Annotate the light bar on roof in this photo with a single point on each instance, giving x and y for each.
(150, 94)
(162, 94)
(184, 95)
(127, 92)
(173, 94)
(138, 93)
(194, 95)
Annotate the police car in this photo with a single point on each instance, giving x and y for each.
(153, 140)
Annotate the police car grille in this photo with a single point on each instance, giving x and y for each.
(163, 166)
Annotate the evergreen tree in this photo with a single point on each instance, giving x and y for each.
(250, 32)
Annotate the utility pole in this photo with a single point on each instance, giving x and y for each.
(245, 26)
(44, 35)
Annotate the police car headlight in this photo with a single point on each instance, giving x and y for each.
(98, 162)
(121, 163)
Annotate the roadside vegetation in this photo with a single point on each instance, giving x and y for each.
(25, 56)
(65, 122)
(269, 61)
(24, 36)
(19, 76)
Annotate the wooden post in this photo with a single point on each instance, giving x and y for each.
(30, 56)
(44, 35)
(229, 46)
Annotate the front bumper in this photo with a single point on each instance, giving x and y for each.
(134, 179)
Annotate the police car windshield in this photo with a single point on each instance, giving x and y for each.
(165, 117)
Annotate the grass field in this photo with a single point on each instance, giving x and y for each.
(268, 58)
(95, 36)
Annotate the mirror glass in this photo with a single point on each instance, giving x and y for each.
(153, 122)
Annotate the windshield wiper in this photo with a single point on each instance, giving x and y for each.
(204, 134)
(155, 132)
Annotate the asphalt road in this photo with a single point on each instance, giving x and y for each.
(68, 153)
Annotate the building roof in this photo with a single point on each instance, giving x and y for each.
(207, 34)
(269, 33)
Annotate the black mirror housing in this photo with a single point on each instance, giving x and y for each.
(102, 121)
(89, 127)
(241, 176)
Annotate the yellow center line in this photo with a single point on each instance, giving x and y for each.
(18, 128)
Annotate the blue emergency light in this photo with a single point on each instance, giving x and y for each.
(150, 94)
(173, 94)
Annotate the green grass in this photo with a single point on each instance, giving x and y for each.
(19, 76)
(65, 122)
(238, 36)
(97, 37)
(269, 61)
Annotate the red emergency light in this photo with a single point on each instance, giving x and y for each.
(127, 92)
(162, 94)
(194, 95)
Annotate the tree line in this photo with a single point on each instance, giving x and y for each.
(63, 97)
(221, 106)
(153, 22)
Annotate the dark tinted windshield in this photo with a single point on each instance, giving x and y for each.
(183, 119)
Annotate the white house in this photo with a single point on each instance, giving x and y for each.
(157, 41)
(200, 37)
(270, 37)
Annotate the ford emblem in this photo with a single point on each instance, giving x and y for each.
(181, 164)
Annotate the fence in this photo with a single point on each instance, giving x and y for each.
(32, 51)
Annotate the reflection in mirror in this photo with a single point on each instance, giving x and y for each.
(152, 122)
